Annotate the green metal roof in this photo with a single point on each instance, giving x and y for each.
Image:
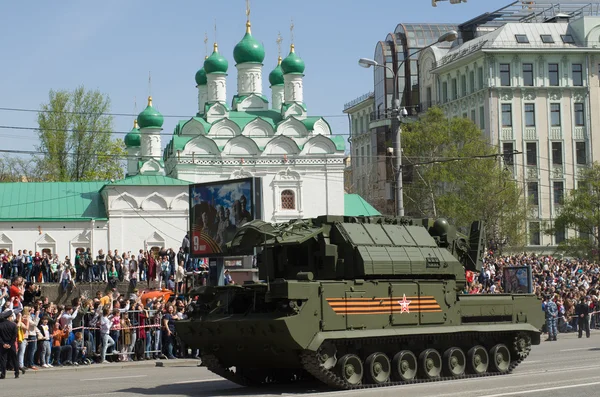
(148, 180)
(64, 201)
(354, 205)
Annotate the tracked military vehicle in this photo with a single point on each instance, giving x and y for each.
(359, 302)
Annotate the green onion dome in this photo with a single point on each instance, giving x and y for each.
(201, 76)
(276, 75)
(292, 64)
(216, 63)
(248, 50)
(150, 117)
(133, 137)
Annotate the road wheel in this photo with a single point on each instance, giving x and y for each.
(455, 362)
(378, 368)
(350, 369)
(430, 364)
(500, 358)
(404, 366)
(477, 360)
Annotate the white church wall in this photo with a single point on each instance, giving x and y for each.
(143, 217)
(61, 238)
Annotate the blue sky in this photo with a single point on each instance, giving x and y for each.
(111, 45)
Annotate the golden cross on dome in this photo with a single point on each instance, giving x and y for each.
(279, 41)
(248, 10)
(292, 30)
(149, 83)
(215, 30)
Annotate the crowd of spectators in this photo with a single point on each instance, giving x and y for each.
(565, 281)
(107, 328)
(112, 266)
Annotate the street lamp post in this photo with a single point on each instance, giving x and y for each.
(398, 114)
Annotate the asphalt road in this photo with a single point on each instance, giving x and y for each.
(567, 368)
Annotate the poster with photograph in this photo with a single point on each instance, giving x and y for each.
(517, 280)
(218, 209)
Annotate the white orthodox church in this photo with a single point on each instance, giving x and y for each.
(296, 155)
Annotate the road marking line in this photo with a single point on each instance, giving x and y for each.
(95, 395)
(199, 381)
(512, 393)
(578, 349)
(530, 362)
(116, 377)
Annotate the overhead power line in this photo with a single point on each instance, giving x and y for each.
(18, 127)
(8, 109)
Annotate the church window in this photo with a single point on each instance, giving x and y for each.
(287, 200)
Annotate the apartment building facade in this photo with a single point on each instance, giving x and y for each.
(533, 89)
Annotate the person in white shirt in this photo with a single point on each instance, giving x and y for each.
(45, 337)
(66, 278)
(105, 326)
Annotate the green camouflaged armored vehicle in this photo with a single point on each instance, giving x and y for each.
(359, 302)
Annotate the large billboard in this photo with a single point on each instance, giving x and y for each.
(517, 280)
(218, 209)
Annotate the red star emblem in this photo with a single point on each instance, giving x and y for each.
(404, 305)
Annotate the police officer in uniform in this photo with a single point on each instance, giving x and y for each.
(551, 319)
(582, 311)
(8, 339)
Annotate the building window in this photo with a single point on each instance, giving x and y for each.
(454, 89)
(445, 91)
(473, 116)
(362, 155)
(559, 192)
(428, 99)
(534, 233)
(557, 153)
(553, 74)
(368, 154)
(567, 38)
(580, 153)
(521, 38)
(506, 115)
(533, 193)
(529, 115)
(463, 85)
(560, 236)
(555, 114)
(547, 38)
(357, 159)
(528, 74)
(531, 149)
(579, 119)
(577, 74)
(505, 74)
(287, 200)
(472, 80)
(508, 153)
(482, 117)
(480, 76)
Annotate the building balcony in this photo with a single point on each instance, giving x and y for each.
(506, 134)
(579, 133)
(530, 133)
(556, 133)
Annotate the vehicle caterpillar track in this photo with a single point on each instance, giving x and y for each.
(360, 303)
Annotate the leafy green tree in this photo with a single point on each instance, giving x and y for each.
(454, 172)
(75, 138)
(17, 169)
(580, 212)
